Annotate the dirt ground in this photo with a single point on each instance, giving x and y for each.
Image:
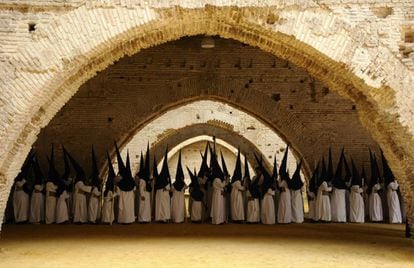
(203, 245)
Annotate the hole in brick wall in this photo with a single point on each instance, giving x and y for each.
(191, 67)
(251, 128)
(251, 80)
(325, 91)
(232, 91)
(291, 107)
(178, 84)
(353, 107)
(197, 116)
(231, 112)
(276, 97)
(274, 64)
(110, 119)
(32, 27)
(246, 86)
(272, 18)
(293, 91)
(382, 12)
(409, 36)
(302, 81)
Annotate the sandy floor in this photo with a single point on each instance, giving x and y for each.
(192, 245)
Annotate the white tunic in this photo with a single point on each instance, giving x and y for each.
(80, 207)
(217, 204)
(357, 207)
(375, 204)
(297, 206)
(94, 207)
(236, 199)
(196, 210)
(323, 205)
(338, 206)
(126, 206)
(37, 204)
(144, 214)
(62, 214)
(20, 202)
(163, 204)
(253, 209)
(50, 215)
(268, 208)
(284, 211)
(108, 215)
(178, 205)
(312, 206)
(394, 209)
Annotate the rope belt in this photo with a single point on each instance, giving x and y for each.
(52, 194)
(37, 191)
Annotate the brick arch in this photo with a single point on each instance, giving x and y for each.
(51, 68)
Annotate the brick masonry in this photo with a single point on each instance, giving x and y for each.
(358, 49)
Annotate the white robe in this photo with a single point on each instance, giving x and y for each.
(163, 204)
(312, 206)
(357, 207)
(108, 215)
(196, 210)
(20, 202)
(80, 207)
(126, 206)
(323, 205)
(217, 204)
(375, 204)
(253, 209)
(144, 214)
(37, 205)
(297, 206)
(236, 199)
(268, 208)
(62, 214)
(284, 211)
(94, 207)
(338, 205)
(178, 205)
(50, 215)
(394, 209)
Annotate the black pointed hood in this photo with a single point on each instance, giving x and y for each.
(195, 193)
(39, 178)
(154, 168)
(147, 166)
(52, 175)
(274, 173)
(329, 171)
(237, 173)
(204, 167)
(374, 170)
(322, 174)
(296, 182)
(80, 174)
(313, 182)
(164, 177)
(95, 179)
(283, 166)
(109, 183)
(338, 180)
(179, 176)
(127, 182)
(388, 175)
(246, 168)
(267, 178)
(216, 171)
(224, 166)
(66, 172)
(356, 179)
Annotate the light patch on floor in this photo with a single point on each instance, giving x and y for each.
(192, 245)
